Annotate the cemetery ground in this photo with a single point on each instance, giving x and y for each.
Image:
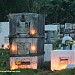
(41, 72)
(45, 70)
(4, 59)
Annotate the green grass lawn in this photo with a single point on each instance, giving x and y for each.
(4, 57)
(4, 54)
(27, 72)
(24, 72)
(64, 72)
(41, 72)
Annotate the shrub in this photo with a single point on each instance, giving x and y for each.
(46, 65)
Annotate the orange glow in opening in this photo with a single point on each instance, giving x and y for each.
(6, 46)
(59, 67)
(33, 31)
(33, 47)
(63, 66)
(18, 63)
(13, 67)
(13, 48)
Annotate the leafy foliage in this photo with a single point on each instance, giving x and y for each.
(64, 72)
(4, 57)
(55, 11)
(46, 65)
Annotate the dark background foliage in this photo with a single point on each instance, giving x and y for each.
(55, 11)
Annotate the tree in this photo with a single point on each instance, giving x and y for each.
(55, 11)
